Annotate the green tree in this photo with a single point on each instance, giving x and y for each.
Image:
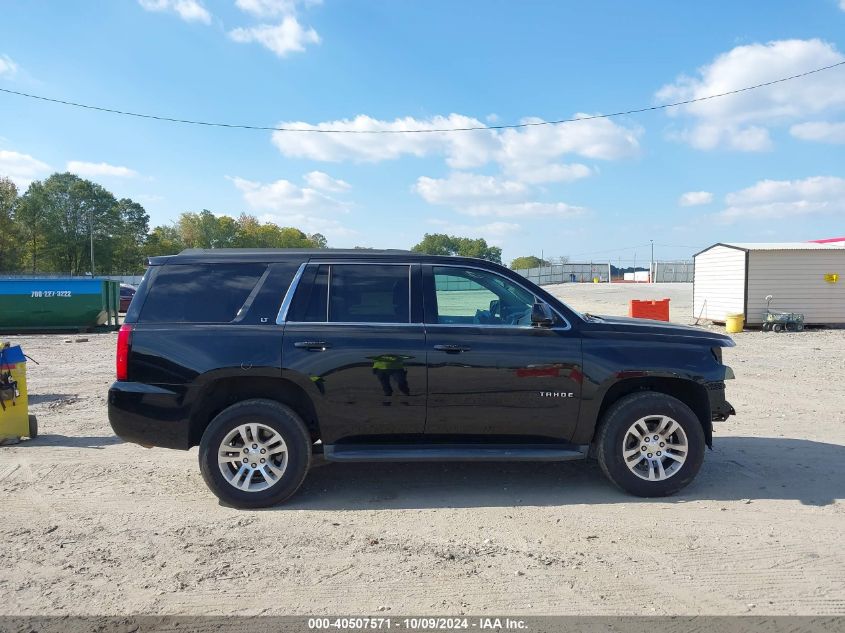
(206, 230)
(30, 219)
(130, 235)
(60, 216)
(10, 247)
(319, 240)
(442, 244)
(163, 240)
(527, 261)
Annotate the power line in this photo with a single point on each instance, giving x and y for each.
(610, 250)
(416, 131)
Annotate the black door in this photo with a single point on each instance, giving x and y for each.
(350, 341)
(490, 372)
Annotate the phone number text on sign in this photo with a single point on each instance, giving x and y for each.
(51, 293)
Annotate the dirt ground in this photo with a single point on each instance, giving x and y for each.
(91, 525)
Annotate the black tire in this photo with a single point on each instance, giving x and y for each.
(777, 327)
(272, 414)
(614, 427)
(33, 427)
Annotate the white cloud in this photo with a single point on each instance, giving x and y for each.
(741, 121)
(821, 131)
(21, 169)
(493, 232)
(96, 170)
(272, 8)
(462, 150)
(288, 36)
(288, 204)
(478, 195)
(462, 188)
(552, 172)
(529, 154)
(532, 153)
(773, 199)
(188, 10)
(323, 182)
(842, 4)
(695, 198)
(523, 209)
(8, 67)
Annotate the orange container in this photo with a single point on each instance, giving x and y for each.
(657, 310)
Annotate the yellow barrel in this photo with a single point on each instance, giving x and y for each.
(734, 323)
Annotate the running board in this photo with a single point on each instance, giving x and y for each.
(454, 452)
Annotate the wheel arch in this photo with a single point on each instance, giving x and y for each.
(220, 393)
(691, 393)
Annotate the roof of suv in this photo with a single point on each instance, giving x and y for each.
(223, 255)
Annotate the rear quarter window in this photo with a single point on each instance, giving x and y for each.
(199, 293)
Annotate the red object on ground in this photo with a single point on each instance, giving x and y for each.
(657, 309)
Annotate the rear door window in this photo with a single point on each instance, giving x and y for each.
(199, 293)
(369, 294)
(354, 293)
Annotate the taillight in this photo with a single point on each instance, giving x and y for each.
(122, 359)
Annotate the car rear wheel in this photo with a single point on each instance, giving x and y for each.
(650, 444)
(255, 454)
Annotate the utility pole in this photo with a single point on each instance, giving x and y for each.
(651, 272)
(91, 230)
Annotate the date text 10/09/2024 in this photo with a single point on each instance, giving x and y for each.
(417, 624)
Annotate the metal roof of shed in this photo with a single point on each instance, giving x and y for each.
(777, 246)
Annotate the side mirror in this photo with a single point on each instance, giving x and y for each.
(541, 315)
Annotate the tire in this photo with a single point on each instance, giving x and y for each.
(283, 441)
(777, 327)
(33, 427)
(655, 408)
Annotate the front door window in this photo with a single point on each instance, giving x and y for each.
(467, 296)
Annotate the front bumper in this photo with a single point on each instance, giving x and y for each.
(720, 408)
(149, 415)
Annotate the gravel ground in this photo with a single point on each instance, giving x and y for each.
(94, 526)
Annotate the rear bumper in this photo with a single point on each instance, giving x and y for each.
(149, 415)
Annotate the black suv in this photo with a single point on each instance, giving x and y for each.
(265, 357)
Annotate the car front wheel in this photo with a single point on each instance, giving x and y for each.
(650, 444)
(255, 454)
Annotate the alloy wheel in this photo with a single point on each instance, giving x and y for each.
(252, 457)
(655, 447)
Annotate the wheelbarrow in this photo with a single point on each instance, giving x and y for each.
(774, 321)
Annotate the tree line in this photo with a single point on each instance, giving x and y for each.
(48, 229)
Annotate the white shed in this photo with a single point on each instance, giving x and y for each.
(735, 278)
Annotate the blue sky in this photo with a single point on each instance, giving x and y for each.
(763, 166)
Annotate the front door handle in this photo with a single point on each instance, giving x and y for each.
(452, 349)
(313, 346)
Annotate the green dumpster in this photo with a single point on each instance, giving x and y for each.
(58, 304)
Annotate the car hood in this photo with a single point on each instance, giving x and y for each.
(648, 327)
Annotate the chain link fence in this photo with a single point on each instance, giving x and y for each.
(681, 271)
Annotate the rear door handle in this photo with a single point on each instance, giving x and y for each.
(452, 349)
(313, 346)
